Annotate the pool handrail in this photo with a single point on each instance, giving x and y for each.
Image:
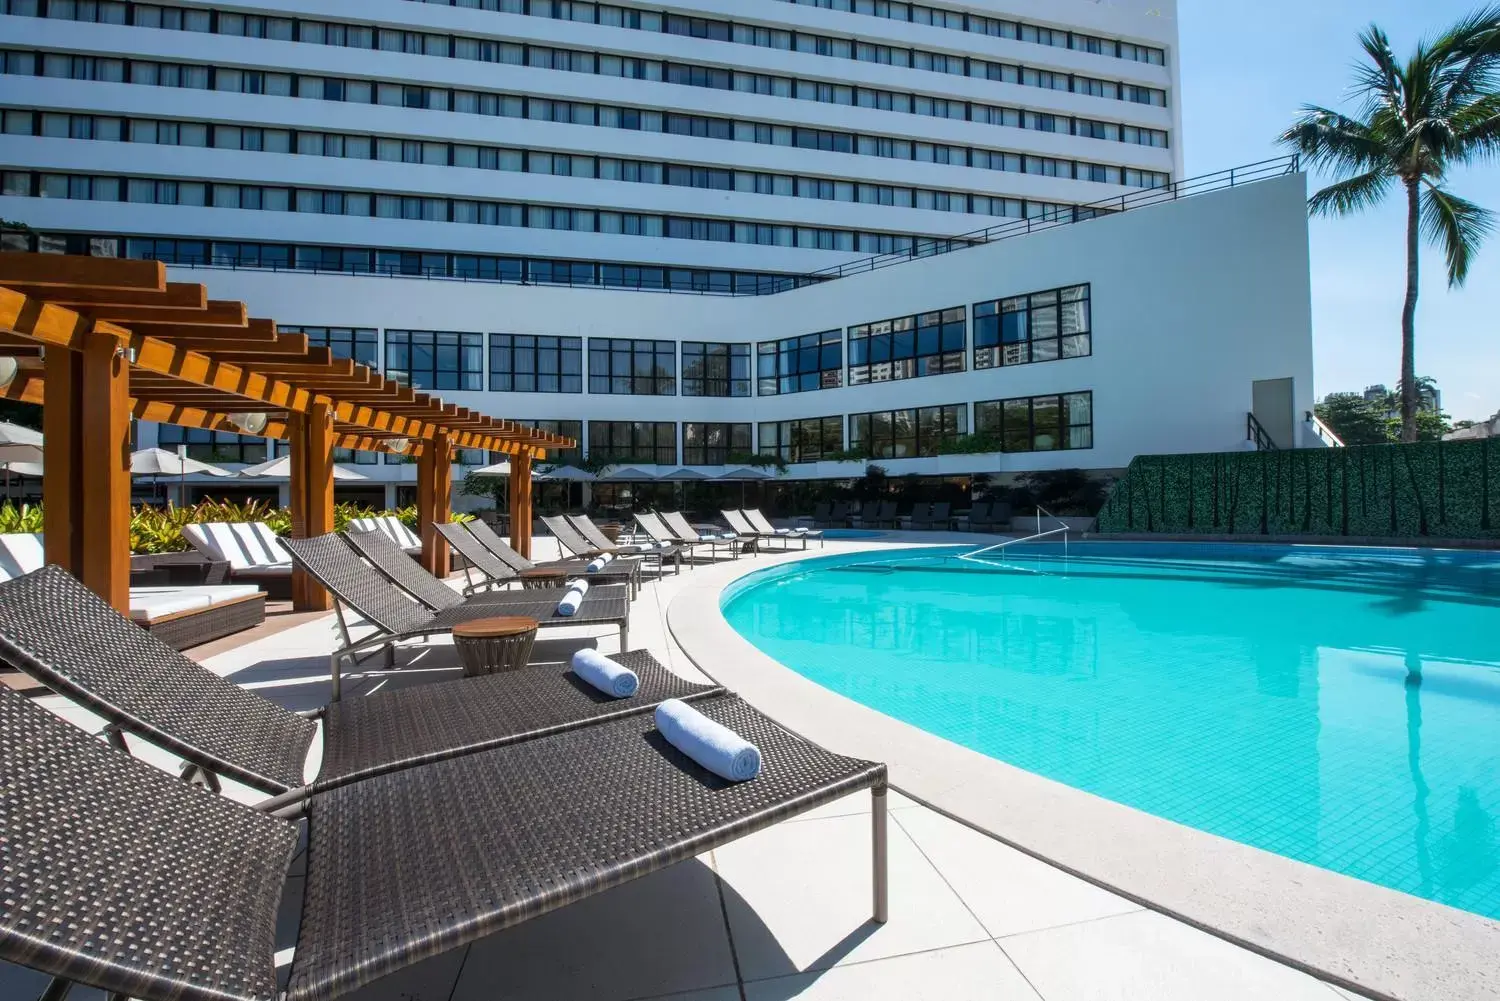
(1063, 530)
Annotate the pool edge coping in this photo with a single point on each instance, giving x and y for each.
(1357, 935)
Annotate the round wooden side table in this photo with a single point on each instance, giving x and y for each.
(490, 646)
(543, 577)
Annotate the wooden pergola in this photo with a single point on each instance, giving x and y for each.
(99, 341)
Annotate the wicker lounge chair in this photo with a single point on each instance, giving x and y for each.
(659, 533)
(143, 688)
(410, 576)
(887, 516)
(761, 523)
(869, 513)
(122, 878)
(740, 525)
(823, 514)
(615, 572)
(254, 553)
(394, 616)
(679, 527)
(570, 537)
(921, 516)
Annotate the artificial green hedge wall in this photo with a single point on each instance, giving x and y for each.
(1439, 489)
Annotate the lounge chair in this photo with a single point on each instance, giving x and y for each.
(979, 516)
(942, 516)
(393, 528)
(840, 515)
(740, 525)
(143, 688)
(823, 514)
(615, 572)
(679, 527)
(657, 531)
(761, 523)
(887, 516)
(869, 512)
(122, 878)
(394, 616)
(406, 573)
(254, 553)
(570, 536)
(921, 516)
(181, 616)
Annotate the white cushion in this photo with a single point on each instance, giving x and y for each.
(148, 604)
(21, 553)
(198, 537)
(399, 533)
(272, 543)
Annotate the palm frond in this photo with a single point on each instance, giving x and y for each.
(1378, 82)
(1459, 226)
(1471, 50)
(1352, 194)
(1329, 139)
(1476, 129)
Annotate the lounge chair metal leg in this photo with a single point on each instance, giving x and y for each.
(624, 636)
(57, 988)
(880, 850)
(334, 680)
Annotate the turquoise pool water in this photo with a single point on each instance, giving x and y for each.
(1335, 706)
(851, 533)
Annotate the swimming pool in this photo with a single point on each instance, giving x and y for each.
(848, 534)
(1336, 706)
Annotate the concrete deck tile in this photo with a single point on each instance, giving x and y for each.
(1148, 955)
(855, 805)
(1008, 890)
(798, 898)
(976, 972)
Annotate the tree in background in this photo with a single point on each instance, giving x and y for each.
(1416, 120)
(1356, 420)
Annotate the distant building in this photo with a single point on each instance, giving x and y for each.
(1484, 429)
(1429, 398)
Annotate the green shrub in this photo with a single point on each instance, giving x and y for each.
(20, 519)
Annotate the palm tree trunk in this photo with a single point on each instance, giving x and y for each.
(1409, 317)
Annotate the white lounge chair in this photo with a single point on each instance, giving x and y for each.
(180, 616)
(254, 553)
(763, 524)
(392, 528)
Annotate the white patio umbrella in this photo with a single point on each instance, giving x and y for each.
(158, 462)
(566, 474)
(498, 469)
(281, 469)
(18, 445)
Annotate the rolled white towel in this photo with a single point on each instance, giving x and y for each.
(712, 745)
(783, 531)
(596, 565)
(604, 674)
(570, 601)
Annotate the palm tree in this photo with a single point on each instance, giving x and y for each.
(1416, 120)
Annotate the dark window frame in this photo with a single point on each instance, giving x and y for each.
(611, 350)
(802, 364)
(952, 424)
(918, 346)
(359, 344)
(703, 452)
(1002, 419)
(714, 356)
(216, 447)
(465, 378)
(605, 442)
(802, 439)
(1005, 329)
(538, 350)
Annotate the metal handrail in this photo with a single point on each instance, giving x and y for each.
(1000, 546)
(1256, 432)
(1324, 432)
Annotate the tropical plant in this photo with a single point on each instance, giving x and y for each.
(25, 518)
(1416, 121)
(1356, 420)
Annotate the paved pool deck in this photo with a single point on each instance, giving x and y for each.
(785, 913)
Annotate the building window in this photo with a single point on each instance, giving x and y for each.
(801, 364)
(555, 457)
(626, 367)
(633, 441)
(435, 359)
(713, 444)
(807, 440)
(908, 347)
(358, 343)
(715, 369)
(348, 456)
(212, 446)
(524, 363)
(1043, 326)
(902, 434)
(1038, 423)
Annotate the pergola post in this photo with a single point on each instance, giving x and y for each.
(435, 501)
(311, 436)
(86, 490)
(520, 503)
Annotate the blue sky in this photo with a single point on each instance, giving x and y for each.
(1246, 69)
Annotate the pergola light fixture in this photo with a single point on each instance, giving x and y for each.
(9, 368)
(249, 423)
(397, 445)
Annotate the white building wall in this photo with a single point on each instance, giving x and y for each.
(1193, 301)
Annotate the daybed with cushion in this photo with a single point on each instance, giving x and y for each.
(254, 553)
(131, 680)
(393, 528)
(395, 616)
(180, 616)
(183, 905)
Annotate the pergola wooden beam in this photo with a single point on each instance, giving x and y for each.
(61, 271)
(215, 313)
(177, 295)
